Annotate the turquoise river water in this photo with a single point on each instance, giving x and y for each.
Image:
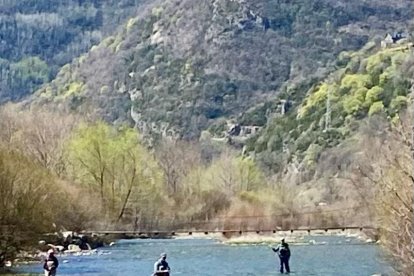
(190, 257)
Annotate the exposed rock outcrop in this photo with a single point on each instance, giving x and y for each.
(69, 241)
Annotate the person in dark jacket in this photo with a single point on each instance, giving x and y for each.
(161, 267)
(284, 255)
(51, 263)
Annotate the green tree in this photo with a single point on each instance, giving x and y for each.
(113, 164)
(233, 175)
(398, 103)
(352, 104)
(373, 95)
(29, 73)
(376, 108)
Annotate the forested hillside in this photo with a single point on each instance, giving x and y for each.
(368, 82)
(39, 36)
(182, 65)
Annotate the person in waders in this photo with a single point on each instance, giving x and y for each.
(284, 254)
(51, 263)
(161, 267)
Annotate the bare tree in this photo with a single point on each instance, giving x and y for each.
(30, 202)
(390, 169)
(8, 124)
(177, 159)
(38, 134)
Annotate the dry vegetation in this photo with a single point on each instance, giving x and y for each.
(391, 170)
(132, 188)
(58, 172)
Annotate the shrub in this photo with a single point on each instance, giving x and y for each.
(376, 108)
(373, 95)
(398, 103)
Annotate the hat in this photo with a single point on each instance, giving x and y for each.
(51, 251)
(163, 255)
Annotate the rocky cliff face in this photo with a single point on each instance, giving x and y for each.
(182, 65)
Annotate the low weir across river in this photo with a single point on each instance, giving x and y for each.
(225, 232)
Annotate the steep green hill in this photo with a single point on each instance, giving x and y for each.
(369, 82)
(39, 36)
(182, 65)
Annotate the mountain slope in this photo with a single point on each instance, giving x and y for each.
(38, 37)
(368, 83)
(184, 64)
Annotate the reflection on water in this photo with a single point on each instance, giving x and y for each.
(329, 256)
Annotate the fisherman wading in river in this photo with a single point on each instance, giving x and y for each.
(51, 263)
(161, 267)
(284, 254)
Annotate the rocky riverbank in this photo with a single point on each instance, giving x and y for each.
(72, 243)
(63, 243)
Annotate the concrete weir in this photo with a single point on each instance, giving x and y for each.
(226, 232)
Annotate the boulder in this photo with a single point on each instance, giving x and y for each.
(73, 241)
(92, 242)
(73, 248)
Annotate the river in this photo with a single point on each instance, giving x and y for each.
(204, 257)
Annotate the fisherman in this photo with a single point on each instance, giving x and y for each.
(161, 267)
(51, 263)
(284, 254)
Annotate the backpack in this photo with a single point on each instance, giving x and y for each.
(284, 252)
